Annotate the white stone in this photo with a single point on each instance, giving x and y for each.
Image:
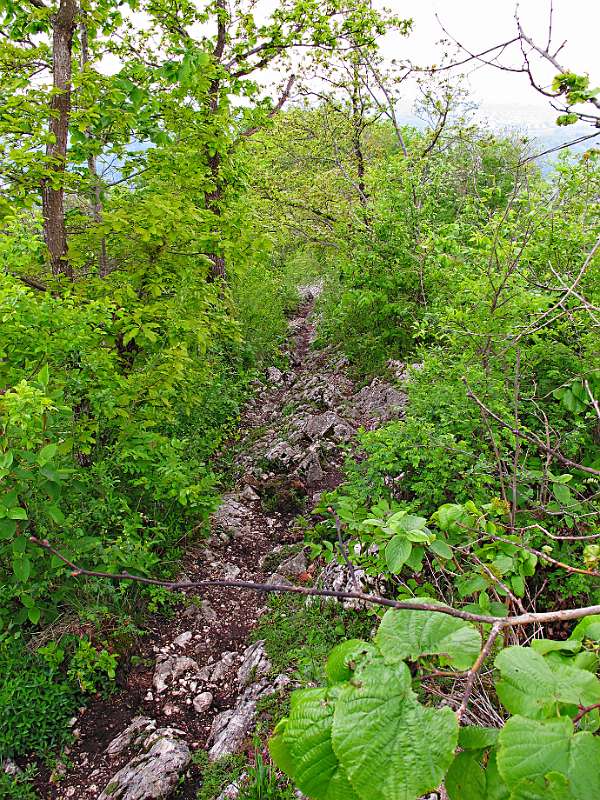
(154, 773)
(183, 639)
(203, 702)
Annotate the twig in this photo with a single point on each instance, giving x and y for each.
(529, 437)
(583, 711)
(344, 549)
(473, 672)
(537, 618)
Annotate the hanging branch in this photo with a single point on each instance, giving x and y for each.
(531, 618)
(529, 437)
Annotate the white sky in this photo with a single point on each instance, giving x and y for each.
(505, 98)
(479, 24)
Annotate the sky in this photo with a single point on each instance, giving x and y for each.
(504, 99)
(478, 24)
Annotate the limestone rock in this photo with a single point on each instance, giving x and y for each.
(203, 702)
(169, 668)
(230, 728)
(249, 494)
(311, 468)
(183, 639)
(282, 454)
(230, 572)
(279, 580)
(232, 791)
(255, 664)
(337, 577)
(154, 772)
(295, 565)
(222, 667)
(379, 402)
(275, 376)
(310, 291)
(328, 424)
(139, 726)
(232, 516)
(10, 768)
(202, 611)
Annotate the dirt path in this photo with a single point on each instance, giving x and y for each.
(195, 681)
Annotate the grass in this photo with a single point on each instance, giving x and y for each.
(217, 775)
(299, 638)
(18, 787)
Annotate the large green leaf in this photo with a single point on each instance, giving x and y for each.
(541, 759)
(588, 628)
(412, 634)
(397, 551)
(532, 685)
(495, 786)
(544, 646)
(392, 747)
(473, 737)
(279, 749)
(307, 735)
(466, 778)
(343, 659)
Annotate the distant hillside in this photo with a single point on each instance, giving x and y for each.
(542, 134)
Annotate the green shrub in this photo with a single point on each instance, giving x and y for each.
(35, 701)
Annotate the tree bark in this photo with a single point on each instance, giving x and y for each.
(55, 234)
(96, 198)
(218, 270)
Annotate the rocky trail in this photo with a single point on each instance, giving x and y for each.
(196, 680)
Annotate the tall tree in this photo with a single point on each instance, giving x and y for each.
(63, 22)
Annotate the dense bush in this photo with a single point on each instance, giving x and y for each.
(35, 701)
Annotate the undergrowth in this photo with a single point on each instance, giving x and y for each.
(298, 636)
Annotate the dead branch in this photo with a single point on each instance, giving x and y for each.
(531, 618)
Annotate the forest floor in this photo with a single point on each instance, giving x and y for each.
(196, 682)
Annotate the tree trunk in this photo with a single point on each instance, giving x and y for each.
(218, 270)
(55, 234)
(96, 198)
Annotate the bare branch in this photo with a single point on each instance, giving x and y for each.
(474, 671)
(533, 618)
(529, 437)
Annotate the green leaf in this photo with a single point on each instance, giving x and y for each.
(413, 634)
(19, 545)
(17, 513)
(343, 659)
(55, 514)
(411, 523)
(533, 686)
(495, 786)
(43, 375)
(441, 549)
(46, 454)
(588, 628)
(415, 559)
(279, 750)
(518, 585)
(562, 493)
(21, 568)
(472, 737)
(9, 500)
(391, 746)
(396, 552)
(8, 528)
(544, 646)
(34, 615)
(465, 779)
(546, 756)
(307, 735)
